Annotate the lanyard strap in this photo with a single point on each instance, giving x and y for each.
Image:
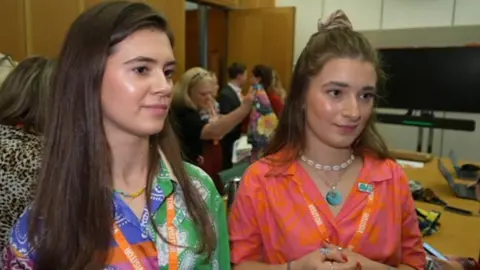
(172, 234)
(171, 228)
(367, 212)
(127, 248)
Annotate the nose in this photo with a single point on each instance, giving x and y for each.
(351, 109)
(161, 84)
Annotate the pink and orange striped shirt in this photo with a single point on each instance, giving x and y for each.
(270, 219)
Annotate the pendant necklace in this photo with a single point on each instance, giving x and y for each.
(333, 196)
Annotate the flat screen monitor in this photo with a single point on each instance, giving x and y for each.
(438, 79)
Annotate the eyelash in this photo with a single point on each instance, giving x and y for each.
(169, 73)
(335, 93)
(144, 70)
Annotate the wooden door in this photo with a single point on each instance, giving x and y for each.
(12, 29)
(263, 36)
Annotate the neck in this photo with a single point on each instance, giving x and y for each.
(324, 154)
(129, 161)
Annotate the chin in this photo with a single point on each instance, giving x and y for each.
(342, 144)
(151, 129)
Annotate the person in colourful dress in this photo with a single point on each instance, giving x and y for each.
(113, 191)
(327, 184)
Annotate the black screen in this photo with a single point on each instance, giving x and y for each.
(441, 79)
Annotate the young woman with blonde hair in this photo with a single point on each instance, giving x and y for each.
(198, 131)
(328, 195)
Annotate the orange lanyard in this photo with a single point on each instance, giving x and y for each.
(172, 234)
(126, 248)
(367, 212)
(172, 239)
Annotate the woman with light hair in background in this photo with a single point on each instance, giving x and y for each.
(23, 101)
(192, 95)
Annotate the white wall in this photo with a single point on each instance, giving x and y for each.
(380, 15)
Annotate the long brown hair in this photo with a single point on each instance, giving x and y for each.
(335, 39)
(24, 93)
(72, 216)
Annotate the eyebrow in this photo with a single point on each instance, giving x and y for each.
(345, 85)
(144, 59)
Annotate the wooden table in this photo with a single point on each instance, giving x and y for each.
(458, 235)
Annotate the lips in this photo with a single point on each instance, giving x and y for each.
(347, 128)
(157, 106)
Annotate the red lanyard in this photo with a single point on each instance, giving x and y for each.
(367, 212)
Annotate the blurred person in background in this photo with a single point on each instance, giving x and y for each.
(264, 75)
(277, 86)
(198, 125)
(23, 102)
(230, 99)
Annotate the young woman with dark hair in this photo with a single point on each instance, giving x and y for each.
(113, 190)
(327, 194)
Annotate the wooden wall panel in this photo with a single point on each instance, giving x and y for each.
(222, 3)
(217, 41)
(47, 24)
(256, 3)
(174, 11)
(12, 28)
(269, 42)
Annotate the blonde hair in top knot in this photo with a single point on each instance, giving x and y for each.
(336, 20)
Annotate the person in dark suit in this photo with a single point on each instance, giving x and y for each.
(230, 98)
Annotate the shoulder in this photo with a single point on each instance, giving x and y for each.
(179, 110)
(202, 182)
(185, 115)
(256, 175)
(18, 241)
(383, 168)
(225, 91)
(20, 155)
(16, 139)
(389, 172)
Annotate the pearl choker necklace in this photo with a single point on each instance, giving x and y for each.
(333, 196)
(317, 166)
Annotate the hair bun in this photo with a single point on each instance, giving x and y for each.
(336, 20)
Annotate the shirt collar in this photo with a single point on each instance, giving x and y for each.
(237, 89)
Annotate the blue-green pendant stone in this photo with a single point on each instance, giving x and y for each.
(334, 197)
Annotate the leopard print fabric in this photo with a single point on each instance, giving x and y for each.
(19, 163)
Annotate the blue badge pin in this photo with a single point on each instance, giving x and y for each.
(364, 187)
